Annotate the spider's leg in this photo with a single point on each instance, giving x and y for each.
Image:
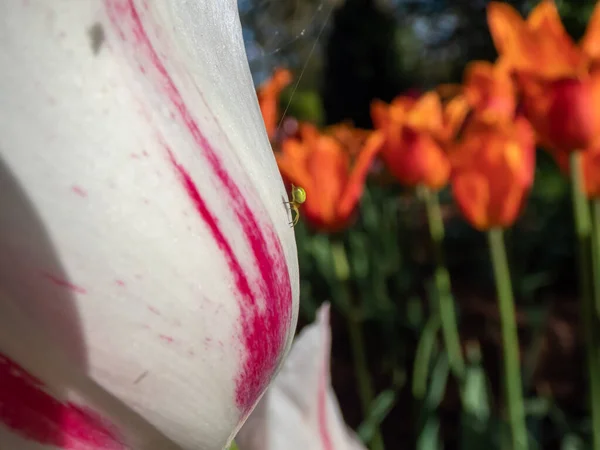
(294, 208)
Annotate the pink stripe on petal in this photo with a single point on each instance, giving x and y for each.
(263, 333)
(324, 381)
(322, 415)
(64, 283)
(32, 413)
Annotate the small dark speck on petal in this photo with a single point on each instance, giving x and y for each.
(141, 377)
(96, 34)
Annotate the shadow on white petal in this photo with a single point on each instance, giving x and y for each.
(30, 270)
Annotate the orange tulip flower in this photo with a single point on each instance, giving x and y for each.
(490, 91)
(412, 130)
(493, 167)
(268, 99)
(332, 178)
(351, 138)
(560, 80)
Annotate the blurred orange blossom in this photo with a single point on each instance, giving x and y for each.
(559, 79)
(268, 98)
(351, 138)
(490, 91)
(414, 132)
(332, 177)
(493, 160)
(492, 171)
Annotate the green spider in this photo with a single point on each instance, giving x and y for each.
(298, 197)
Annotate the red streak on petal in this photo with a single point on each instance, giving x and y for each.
(79, 191)
(30, 411)
(64, 283)
(324, 379)
(166, 338)
(120, 283)
(322, 414)
(154, 310)
(263, 332)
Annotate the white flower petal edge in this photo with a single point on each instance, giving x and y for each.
(299, 411)
(148, 274)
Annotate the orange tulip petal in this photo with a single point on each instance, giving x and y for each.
(282, 77)
(426, 114)
(560, 54)
(449, 90)
(328, 166)
(268, 98)
(308, 133)
(455, 113)
(513, 40)
(379, 113)
(564, 113)
(493, 170)
(403, 102)
(590, 42)
(489, 89)
(352, 139)
(417, 159)
(512, 192)
(539, 45)
(472, 195)
(511, 206)
(355, 185)
(292, 163)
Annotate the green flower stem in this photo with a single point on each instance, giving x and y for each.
(364, 382)
(363, 377)
(510, 341)
(589, 290)
(596, 250)
(442, 283)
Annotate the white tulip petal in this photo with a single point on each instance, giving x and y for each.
(148, 272)
(299, 411)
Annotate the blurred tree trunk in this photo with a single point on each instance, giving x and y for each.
(361, 62)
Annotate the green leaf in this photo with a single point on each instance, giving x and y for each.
(378, 411)
(429, 439)
(423, 356)
(414, 312)
(476, 401)
(572, 442)
(359, 245)
(538, 407)
(439, 379)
